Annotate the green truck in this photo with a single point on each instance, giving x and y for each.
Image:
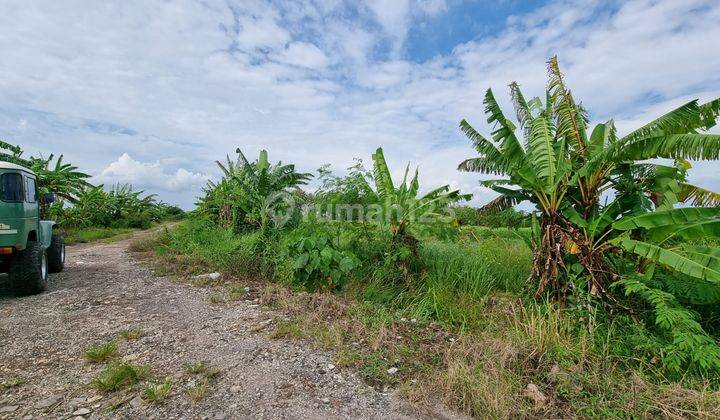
(30, 248)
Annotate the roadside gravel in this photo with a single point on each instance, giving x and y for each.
(103, 291)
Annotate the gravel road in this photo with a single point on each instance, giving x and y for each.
(103, 291)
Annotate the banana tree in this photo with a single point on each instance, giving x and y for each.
(62, 179)
(402, 207)
(248, 190)
(564, 172)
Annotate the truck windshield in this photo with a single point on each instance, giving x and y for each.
(11, 187)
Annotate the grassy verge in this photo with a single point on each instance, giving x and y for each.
(85, 235)
(460, 335)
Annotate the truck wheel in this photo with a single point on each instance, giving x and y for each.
(29, 270)
(56, 254)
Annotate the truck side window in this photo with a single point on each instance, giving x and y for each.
(11, 187)
(31, 191)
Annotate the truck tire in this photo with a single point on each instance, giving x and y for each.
(29, 270)
(56, 254)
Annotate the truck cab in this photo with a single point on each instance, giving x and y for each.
(30, 248)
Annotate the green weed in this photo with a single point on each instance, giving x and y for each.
(198, 390)
(202, 368)
(101, 352)
(155, 393)
(118, 375)
(131, 333)
(11, 383)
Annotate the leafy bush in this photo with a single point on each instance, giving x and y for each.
(318, 263)
(249, 194)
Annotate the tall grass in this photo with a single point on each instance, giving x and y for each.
(459, 275)
(219, 248)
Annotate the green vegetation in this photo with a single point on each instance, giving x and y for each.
(590, 250)
(157, 392)
(118, 375)
(11, 383)
(593, 305)
(204, 374)
(92, 234)
(198, 390)
(101, 352)
(506, 218)
(131, 333)
(249, 192)
(86, 212)
(201, 368)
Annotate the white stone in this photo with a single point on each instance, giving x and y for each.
(211, 276)
(81, 412)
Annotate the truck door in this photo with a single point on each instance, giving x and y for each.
(32, 208)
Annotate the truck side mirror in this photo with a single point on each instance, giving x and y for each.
(49, 198)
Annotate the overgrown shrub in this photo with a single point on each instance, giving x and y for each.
(317, 260)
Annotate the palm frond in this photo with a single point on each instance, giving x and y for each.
(698, 196)
(504, 132)
(483, 165)
(541, 152)
(570, 120)
(498, 204)
(383, 180)
(674, 146)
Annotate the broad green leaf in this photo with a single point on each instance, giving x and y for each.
(668, 258)
(504, 132)
(674, 217)
(301, 261)
(575, 217)
(346, 264)
(541, 152)
(383, 180)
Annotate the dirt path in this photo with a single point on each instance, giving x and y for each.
(104, 291)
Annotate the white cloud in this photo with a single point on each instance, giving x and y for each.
(149, 176)
(186, 82)
(303, 54)
(393, 16)
(261, 32)
(432, 7)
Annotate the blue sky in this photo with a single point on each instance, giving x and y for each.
(152, 92)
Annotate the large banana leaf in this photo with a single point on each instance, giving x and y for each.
(481, 144)
(504, 134)
(698, 196)
(602, 135)
(522, 108)
(705, 255)
(682, 119)
(709, 113)
(688, 223)
(570, 121)
(675, 261)
(504, 201)
(383, 180)
(484, 165)
(541, 152)
(673, 146)
(674, 217)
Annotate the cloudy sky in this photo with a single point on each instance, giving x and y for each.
(152, 92)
